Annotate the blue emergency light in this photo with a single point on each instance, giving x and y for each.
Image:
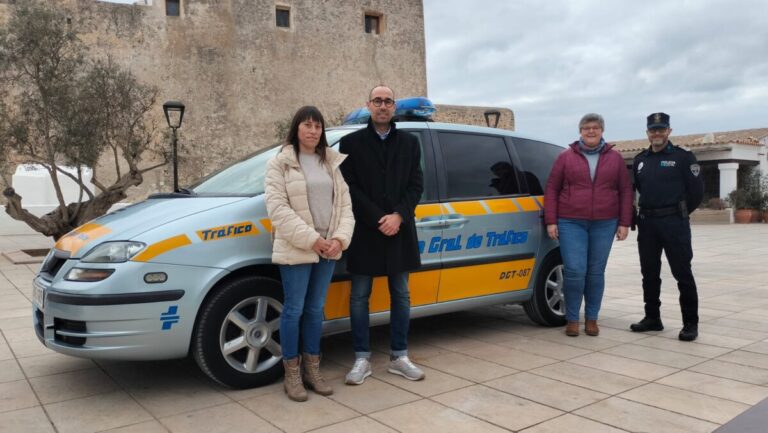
(414, 109)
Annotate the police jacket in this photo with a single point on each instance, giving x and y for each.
(571, 192)
(384, 176)
(667, 177)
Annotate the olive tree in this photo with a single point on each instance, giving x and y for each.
(59, 108)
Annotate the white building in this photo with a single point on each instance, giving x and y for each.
(724, 156)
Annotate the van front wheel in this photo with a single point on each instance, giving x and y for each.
(547, 305)
(237, 341)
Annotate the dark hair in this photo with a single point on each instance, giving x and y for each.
(307, 112)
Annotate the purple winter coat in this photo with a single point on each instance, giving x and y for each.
(571, 193)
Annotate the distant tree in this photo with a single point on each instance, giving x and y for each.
(59, 108)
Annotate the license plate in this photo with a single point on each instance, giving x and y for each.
(38, 295)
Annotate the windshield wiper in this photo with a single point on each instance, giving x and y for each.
(187, 191)
(181, 193)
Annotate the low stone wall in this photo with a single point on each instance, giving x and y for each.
(471, 115)
(712, 216)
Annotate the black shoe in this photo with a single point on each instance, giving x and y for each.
(689, 332)
(647, 324)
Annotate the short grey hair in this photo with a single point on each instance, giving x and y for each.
(592, 117)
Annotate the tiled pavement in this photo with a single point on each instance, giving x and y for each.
(487, 370)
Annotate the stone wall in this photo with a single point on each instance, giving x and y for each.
(473, 115)
(239, 75)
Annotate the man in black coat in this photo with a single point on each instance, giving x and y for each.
(383, 171)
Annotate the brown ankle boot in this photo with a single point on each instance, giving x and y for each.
(292, 382)
(572, 329)
(312, 377)
(590, 328)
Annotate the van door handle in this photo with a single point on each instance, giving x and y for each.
(433, 223)
(455, 221)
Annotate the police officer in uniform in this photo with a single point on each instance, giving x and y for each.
(668, 180)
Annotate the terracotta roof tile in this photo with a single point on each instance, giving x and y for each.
(693, 141)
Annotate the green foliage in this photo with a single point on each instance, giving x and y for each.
(752, 194)
(60, 107)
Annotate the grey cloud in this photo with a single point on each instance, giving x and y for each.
(702, 61)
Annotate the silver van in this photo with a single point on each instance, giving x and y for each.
(190, 273)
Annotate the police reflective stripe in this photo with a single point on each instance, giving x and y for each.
(427, 210)
(77, 238)
(494, 206)
(162, 247)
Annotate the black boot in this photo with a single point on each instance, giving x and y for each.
(689, 332)
(647, 324)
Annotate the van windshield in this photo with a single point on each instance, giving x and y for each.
(246, 177)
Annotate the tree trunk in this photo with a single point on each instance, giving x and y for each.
(54, 224)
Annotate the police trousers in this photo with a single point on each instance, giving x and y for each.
(672, 234)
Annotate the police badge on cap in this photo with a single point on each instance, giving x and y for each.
(658, 121)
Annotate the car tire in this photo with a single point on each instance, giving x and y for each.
(236, 340)
(547, 304)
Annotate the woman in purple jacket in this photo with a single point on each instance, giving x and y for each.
(587, 201)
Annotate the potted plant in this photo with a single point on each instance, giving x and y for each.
(739, 200)
(749, 201)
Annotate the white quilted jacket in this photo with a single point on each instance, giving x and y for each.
(293, 232)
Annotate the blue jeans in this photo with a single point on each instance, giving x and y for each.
(399, 314)
(584, 246)
(304, 290)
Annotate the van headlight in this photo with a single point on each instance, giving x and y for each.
(113, 252)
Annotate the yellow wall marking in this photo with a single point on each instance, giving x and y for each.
(77, 238)
(540, 200)
(162, 247)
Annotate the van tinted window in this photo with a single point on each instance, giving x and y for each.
(477, 166)
(537, 158)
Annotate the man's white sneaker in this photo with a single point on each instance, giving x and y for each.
(404, 367)
(359, 372)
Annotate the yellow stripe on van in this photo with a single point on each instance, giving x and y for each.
(468, 208)
(80, 236)
(528, 204)
(427, 210)
(502, 205)
(162, 247)
(540, 200)
(423, 288)
(267, 223)
(487, 279)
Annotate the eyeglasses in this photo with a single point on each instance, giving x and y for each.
(378, 101)
(658, 131)
(591, 128)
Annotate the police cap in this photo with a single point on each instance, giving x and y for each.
(658, 121)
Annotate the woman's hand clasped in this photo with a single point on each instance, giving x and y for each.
(327, 248)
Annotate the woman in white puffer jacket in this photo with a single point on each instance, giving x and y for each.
(312, 222)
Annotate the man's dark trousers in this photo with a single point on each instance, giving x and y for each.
(673, 235)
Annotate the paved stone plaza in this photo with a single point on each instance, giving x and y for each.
(487, 370)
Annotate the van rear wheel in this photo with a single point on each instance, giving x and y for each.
(237, 341)
(547, 304)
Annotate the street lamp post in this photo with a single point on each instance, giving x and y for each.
(174, 113)
(495, 114)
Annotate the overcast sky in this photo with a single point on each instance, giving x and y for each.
(704, 62)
